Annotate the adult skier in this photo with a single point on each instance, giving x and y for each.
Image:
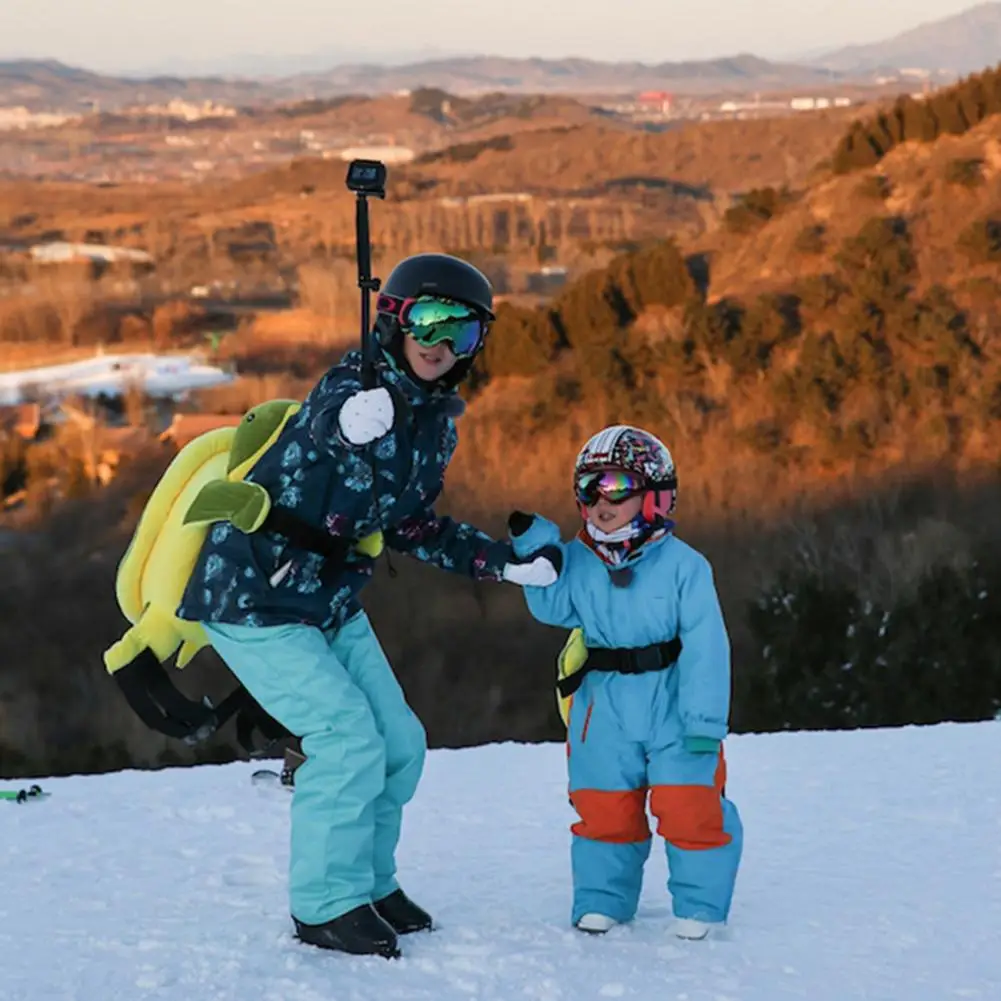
(286, 618)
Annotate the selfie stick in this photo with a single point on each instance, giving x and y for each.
(366, 178)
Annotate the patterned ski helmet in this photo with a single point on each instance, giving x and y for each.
(625, 447)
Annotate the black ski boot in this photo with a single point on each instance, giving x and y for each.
(403, 914)
(360, 932)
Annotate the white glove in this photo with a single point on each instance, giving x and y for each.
(539, 573)
(366, 416)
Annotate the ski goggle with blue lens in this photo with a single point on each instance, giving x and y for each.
(429, 320)
(615, 485)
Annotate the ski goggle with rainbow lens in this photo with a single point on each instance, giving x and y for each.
(429, 320)
(615, 485)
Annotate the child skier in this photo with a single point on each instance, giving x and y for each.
(281, 606)
(652, 699)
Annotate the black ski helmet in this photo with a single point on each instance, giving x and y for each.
(433, 274)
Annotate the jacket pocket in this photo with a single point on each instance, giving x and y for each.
(272, 560)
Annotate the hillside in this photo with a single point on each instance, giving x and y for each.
(514, 190)
(642, 184)
(147, 145)
(943, 188)
(952, 46)
(869, 870)
(842, 324)
(707, 159)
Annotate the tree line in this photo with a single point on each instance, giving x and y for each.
(951, 111)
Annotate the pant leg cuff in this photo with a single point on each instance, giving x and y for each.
(321, 914)
(384, 887)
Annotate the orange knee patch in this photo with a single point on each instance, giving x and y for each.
(618, 817)
(689, 816)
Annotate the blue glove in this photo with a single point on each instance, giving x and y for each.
(701, 745)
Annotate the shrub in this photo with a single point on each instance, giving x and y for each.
(755, 208)
(522, 342)
(876, 187)
(969, 173)
(466, 152)
(856, 150)
(810, 239)
(879, 262)
(653, 275)
(832, 660)
(981, 241)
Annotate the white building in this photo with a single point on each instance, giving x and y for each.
(21, 118)
(818, 103)
(186, 110)
(387, 154)
(60, 252)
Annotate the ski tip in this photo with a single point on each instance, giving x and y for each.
(24, 795)
(265, 778)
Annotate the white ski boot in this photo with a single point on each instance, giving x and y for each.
(692, 929)
(596, 924)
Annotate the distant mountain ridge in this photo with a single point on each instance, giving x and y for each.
(739, 72)
(49, 84)
(964, 43)
(953, 46)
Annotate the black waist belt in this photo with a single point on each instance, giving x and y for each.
(622, 660)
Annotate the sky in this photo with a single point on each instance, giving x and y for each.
(279, 36)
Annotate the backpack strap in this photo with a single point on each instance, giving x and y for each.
(302, 535)
(161, 706)
(250, 719)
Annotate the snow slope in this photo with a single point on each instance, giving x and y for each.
(159, 375)
(872, 870)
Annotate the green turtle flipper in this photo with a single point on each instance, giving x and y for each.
(245, 505)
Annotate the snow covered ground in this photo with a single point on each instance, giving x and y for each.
(872, 870)
(159, 375)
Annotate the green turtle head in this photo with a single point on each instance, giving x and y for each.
(258, 425)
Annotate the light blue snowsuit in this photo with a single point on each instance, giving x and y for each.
(634, 734)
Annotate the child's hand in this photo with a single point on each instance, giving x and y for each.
(519, 523)
(366, 416)
(701, 745)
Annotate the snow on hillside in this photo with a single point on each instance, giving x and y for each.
(872, 870)
(159, 375)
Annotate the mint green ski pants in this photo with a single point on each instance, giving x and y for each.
(364, 750)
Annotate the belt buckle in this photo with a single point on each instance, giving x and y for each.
(645, 659)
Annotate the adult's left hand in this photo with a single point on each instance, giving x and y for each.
(539, 569)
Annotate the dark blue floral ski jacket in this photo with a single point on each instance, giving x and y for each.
(263, 579)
